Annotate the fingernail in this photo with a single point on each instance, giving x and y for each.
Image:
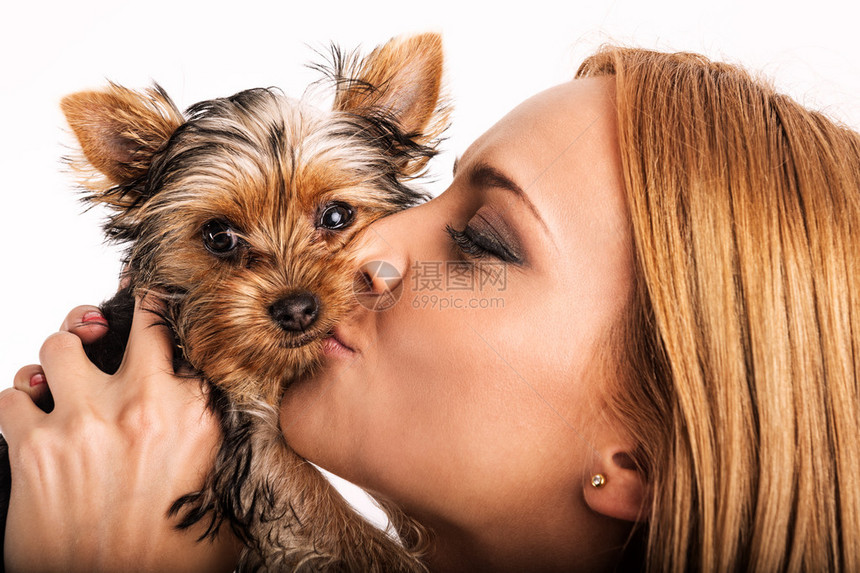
(37, 379)
(93, 316)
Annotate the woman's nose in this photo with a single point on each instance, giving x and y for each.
(382, 285)
(383, 256)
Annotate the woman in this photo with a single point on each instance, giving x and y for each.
(678, 347)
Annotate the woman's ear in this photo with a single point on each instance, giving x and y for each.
(616, 487)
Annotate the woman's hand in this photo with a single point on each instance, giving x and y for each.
(87, 323)
(93, 480)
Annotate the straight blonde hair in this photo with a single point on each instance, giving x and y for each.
(742, 371)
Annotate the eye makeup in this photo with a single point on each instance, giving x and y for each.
(487, 234)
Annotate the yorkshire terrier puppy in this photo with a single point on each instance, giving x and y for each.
(239, 216)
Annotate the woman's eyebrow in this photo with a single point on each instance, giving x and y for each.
(483, 174)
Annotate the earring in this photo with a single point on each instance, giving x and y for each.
(598, 480)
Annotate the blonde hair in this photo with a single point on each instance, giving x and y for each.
(743, 341)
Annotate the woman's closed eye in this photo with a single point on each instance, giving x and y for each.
(481, 243)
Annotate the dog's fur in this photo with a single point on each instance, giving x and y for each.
(227, 212)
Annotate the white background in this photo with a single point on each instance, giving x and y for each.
(52, 257)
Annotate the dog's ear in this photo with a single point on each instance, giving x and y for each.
(119, 131)
(401, 81)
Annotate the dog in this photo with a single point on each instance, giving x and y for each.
(239, 216)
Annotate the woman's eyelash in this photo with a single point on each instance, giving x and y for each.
(466, 244)
(477, 245)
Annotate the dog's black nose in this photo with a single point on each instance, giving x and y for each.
(296, 312)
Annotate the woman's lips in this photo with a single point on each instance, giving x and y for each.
(333, 346)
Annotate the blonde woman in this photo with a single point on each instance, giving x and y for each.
(672, 382)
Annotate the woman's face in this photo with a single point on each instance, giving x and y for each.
(471, 400)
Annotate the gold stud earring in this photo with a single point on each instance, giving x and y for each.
(598, 480)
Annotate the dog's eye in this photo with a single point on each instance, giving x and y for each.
(336, 216)
(219, 238)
